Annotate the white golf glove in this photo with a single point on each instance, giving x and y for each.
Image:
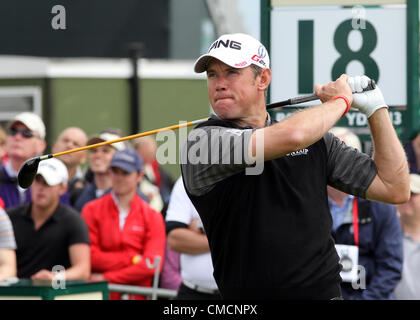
(368, 101)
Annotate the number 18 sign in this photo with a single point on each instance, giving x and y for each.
(314, 45)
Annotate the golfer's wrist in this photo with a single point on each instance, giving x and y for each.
(346, 100)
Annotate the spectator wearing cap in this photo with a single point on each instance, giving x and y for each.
(370, 229)
(49, 235)
(126, 234)
(99, 161)
(71, 138)
(25, 139)
(409, 286)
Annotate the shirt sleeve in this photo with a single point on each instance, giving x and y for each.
(78, 230)
(7, 237)
(349, 170)
(212, 154)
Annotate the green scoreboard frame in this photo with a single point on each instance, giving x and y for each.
(409, 124)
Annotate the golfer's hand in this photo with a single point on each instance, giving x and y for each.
(369, 101)
(333, 89)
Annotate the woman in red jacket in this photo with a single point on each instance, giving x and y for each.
(126, 234)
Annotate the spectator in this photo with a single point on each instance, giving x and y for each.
(72, 138)
(99, 161)
(7, 247)
(3, 146)
(409, 286)
(126, 233)
(371, 229)
(26, 134)
(170, 277)
(49, 234)
(412, 149)
(154, 175)
(186, 236)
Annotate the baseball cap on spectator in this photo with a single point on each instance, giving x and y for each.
(414, 183)
(53, 171)
(237, 50)
(107, 136)
(32, 121)
(347, 136)
(128, 160)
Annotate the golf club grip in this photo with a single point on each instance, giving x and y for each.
(310, 97)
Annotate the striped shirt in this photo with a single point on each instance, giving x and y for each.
(7, 238)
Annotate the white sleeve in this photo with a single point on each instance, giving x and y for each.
(180, 208)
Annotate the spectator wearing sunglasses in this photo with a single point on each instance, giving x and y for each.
(25, 139)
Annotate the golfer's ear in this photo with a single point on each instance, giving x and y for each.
(265, 79)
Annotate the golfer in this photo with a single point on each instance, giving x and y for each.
(270, 232)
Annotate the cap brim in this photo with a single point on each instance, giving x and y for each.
(202, 62)
(123, 166)
(116, 145)
(48, 179)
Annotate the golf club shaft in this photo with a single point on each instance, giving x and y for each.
(134, 136)
(310, 97)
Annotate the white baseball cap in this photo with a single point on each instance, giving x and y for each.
(107, 136)
(53, 171)
(237, 50)
(32, 121)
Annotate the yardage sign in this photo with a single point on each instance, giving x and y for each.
(316, 44)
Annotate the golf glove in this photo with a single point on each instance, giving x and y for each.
(366, 101)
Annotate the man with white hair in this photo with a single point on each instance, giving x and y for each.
(25, 139)
(50, 236)
(367, 234)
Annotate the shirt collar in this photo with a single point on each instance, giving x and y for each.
(56, 215)
(9, 170)
(346, 201)
(268, 121)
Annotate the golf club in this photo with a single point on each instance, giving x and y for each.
(310, 97)
(29, 169)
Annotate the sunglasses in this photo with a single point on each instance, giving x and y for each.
(25, 133)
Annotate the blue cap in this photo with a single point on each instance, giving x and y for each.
(128, 160)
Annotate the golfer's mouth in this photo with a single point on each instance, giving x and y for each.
(223, 99)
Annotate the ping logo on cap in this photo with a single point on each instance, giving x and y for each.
(228, 44)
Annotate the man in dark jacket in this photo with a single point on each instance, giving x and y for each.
(374, 231)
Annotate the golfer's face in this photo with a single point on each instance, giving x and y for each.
(232, 91)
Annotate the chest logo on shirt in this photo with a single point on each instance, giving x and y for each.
(302, 152)
(137, 228)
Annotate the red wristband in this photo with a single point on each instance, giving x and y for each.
(347, 103)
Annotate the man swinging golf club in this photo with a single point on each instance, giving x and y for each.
(270, 233)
